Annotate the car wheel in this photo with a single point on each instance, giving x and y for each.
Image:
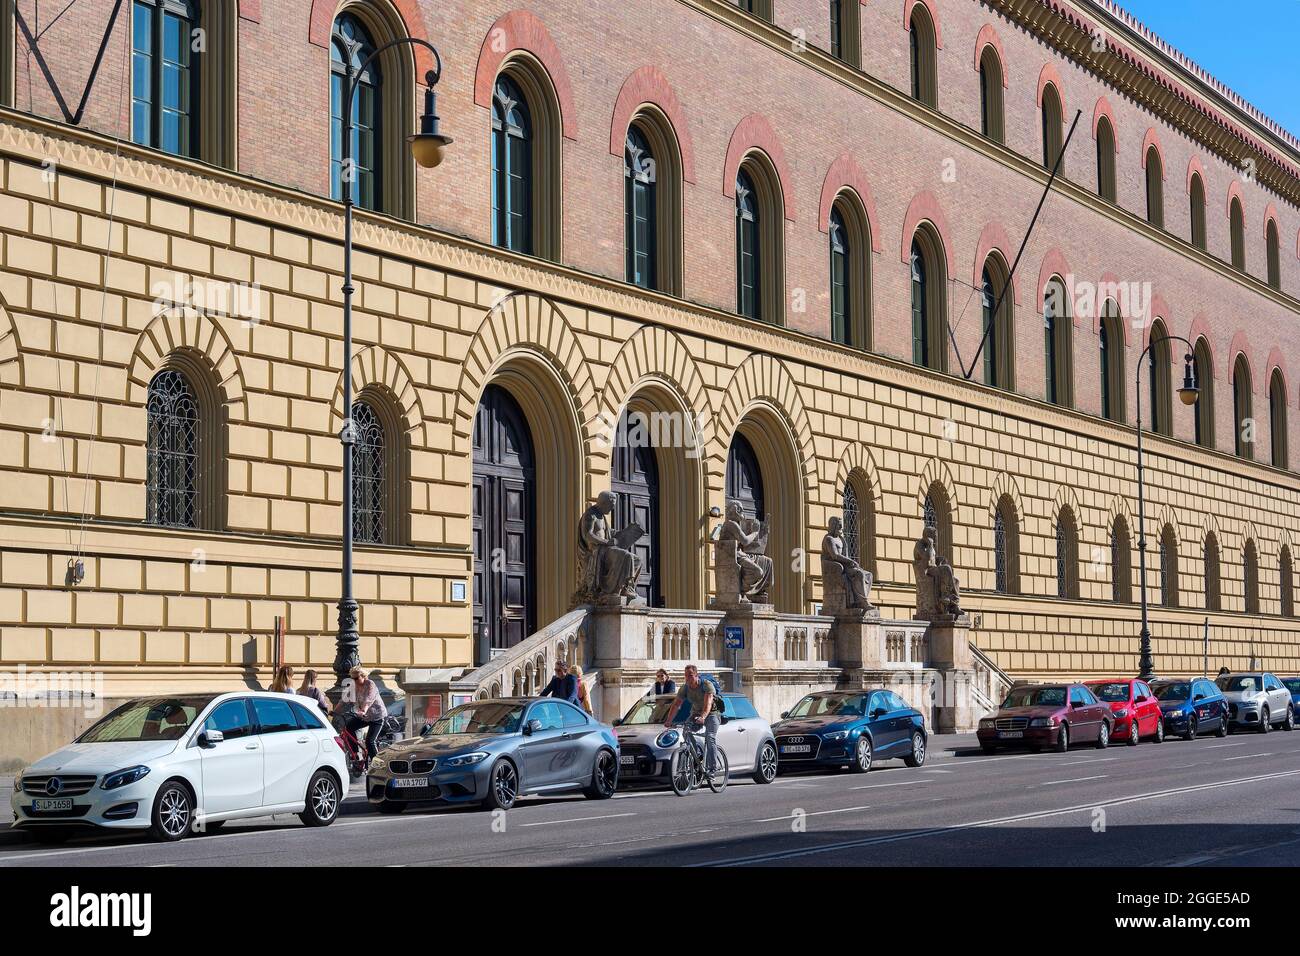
(49, 836)
(390, 807)
(322, 800)
(173, 812)
(1063, 739)
(604, 777)
(1223, 728)
(765, 766)
(1103, 736)
(503, 786)
(1265, 721)
(862, 755)
(1289, 723)
(1190, 732)
(1159, 736)
(1133, 734)
(917, 757)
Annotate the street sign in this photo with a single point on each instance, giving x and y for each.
(733, 638)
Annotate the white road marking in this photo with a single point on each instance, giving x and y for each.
(1248, 756)
(547, 823)
(1235, 743)
(815, 813)
(1052, 783)
(901, 783)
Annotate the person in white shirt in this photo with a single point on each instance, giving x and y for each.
(367, 711)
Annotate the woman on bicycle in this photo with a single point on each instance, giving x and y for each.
(367, 711)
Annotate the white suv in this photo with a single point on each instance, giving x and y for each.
(186, 763)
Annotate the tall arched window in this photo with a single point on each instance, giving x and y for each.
(1168, 566)
(1286, 582)
(1271, 250)
(369, 478)
(1067, 555)
(1250, 577)
(1213, 588)
(1196, 195)
(936, 512)
(165, 76)
(1053, 120)
(512, 168)
(846, 30)
(1242, 409)
(1203, 410)
(840, 289)
(639, 209)
(921, 39)
(760, 282)
(992, 112)
(859, 523)
(1155, 188)
(173, 466)
(749, 291)
(1006, 547)
(350, 46)
(1121, 562)
(1237, 234)
(850, 272)
(1110, 345)
(1158, 381)
(1058, 337)
(652, 201)
(999, 336)
(1105, 160)
(929, 320)
(1277, 419)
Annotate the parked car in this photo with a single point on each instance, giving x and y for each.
(849, 728)
(646, 747)
(1293, 685)
(1047, 715)
(173, 765)
(492, 752)
(1133, 706)
(1191, 707)
(1257, 699)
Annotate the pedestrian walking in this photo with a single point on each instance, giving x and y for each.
(584, 699)
(563, 685)
(283, 682)
(663, 683)
(309, 689)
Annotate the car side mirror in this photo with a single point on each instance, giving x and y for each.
(1198, 697)
(210, 738)
(532, 727)
(616, 722)
(785, 714)
(876, 712)
(425, 729)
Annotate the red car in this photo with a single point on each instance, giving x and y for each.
(1134, 706)
(1047, 715)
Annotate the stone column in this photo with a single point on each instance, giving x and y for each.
(950, 656)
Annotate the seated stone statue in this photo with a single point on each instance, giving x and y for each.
(947, 588)
(607, 568)
(742, 543)
(845, 583)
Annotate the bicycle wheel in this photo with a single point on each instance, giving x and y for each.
(718, 779)
(682, 773)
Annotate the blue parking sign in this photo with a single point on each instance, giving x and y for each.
(733, 638)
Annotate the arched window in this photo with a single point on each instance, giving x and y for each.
(1271, 251)
(1168, 566)
(749, 291)
(1277, 419)
(760, 283)
(1242, 409)
(921, 38)
(512, 168)
(1058, 337)
(1203, 410)
(369, 478)
(165, 76)
(1250, 577)
(1155, 188)
(174, 467)
(1053, 120)
(1006, 547)
(850, 272)
(859, 524)
(936, 512)
(350, 46)
(1196, 195)
(846, 32)
(639, 205)
(1110, 345)
(1213, 588)
(1067, 555)
(840, 288)
(1121, 562)
(992, 112)
(1105, 160)
(1286, 582)
(999, 336)
(1237, 233)
(652, 177)
(1158, 380)
(929, 319)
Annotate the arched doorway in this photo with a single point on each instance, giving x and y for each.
(504, 532)
(745, 478)
(634, 477)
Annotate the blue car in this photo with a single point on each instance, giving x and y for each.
(849, 728)
(1192, 706)
(1293, 685)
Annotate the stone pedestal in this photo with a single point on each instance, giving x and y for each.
(950, 656)
(758, 622)
(858, 642)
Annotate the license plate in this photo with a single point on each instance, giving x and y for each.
(797, 749)
(48, 806)
(627, 759)
(407, 783)
(1010, 734)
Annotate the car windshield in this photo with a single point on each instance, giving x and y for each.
(650, 710)
(1292, 684)
(1116, 691)
(149, 718)
(1243, 682)
(1179, 690)
(1036, 697)
(490, 717)
(837, 705)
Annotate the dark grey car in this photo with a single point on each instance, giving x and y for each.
(492, 752)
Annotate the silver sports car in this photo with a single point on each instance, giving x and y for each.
(492, 752)
(646, 746)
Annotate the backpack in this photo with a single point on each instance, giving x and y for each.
(719, 704)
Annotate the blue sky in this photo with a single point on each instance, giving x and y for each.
(1250, 45)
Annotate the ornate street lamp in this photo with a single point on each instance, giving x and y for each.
(1188, 394)
(427, 146)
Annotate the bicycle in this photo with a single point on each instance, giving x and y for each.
(355, 746)
(687, 768)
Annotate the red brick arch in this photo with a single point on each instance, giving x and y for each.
(994, 237)
(321, 24)
(1110, 280)
(989, 37)
(1055, 264)
(1234, 189)
(755, 132)
(1103, 109)
(934, 18)
(925, 207)
(1200, 329)
(1270, 213)
(846, 173)
(1241, 346)
(1149, 140)
(1047, 75)
(1276, 361)
(1194, 168)
(516, 31)
(649, 85)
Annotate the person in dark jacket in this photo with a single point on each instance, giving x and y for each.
(663, 683)
(563, 686)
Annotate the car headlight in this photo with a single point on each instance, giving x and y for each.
(465, 760)
(1122, 712)
(122, 778)
(1042, 722)
(668, 738)
(835, 735)
(987, 723)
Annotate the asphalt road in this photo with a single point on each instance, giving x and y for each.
(1212, 802)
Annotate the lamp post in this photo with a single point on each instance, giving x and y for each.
(427, 146)
(1188, 393)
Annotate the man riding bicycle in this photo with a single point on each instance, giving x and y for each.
(699, 694)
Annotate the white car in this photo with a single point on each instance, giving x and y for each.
(1257, 700)
(173, 765)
